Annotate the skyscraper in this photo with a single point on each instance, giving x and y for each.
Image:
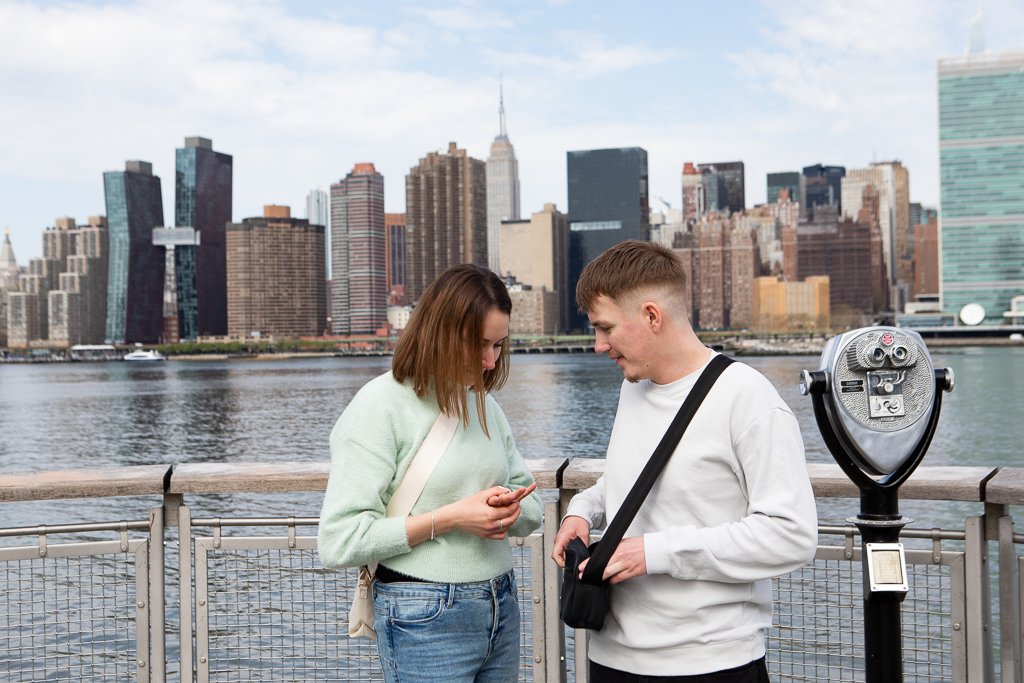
(608, 204)
(78, 307)
(359, 288)
(394, 257)
(981, 170)
(135, 275)
(892, 182)
(502, 188)
(9, 270)
(791, 181)
(318, 212)
(275, 276)
(822, 187)
(535, 253)
(693, 193)
(202, 200)
(445, 216)
(842, 250)
(9, 273)
(724, 187)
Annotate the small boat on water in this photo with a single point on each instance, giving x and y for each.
(144, 355)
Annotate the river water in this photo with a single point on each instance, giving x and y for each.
(81, 415)
(74, 415)
(60, 416)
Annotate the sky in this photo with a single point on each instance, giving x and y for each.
(299, 92)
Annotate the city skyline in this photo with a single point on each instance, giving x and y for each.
(822, 82)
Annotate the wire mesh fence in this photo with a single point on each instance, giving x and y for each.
(267, 610)
(818, 632)
(71, 612)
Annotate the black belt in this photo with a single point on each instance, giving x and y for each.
(385, 575)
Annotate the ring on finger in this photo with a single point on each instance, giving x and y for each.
(501, 525)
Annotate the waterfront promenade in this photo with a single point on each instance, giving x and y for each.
(103, 598)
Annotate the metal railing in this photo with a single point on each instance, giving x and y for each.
(246, 598)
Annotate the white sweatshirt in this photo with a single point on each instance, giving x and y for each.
(732, 509)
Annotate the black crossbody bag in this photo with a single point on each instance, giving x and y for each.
(584, 601)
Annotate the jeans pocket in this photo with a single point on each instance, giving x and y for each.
(410, 607)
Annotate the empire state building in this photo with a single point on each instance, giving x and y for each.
(502, 188)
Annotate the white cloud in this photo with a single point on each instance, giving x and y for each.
(468, 19)
(584, 55)
(298, 98)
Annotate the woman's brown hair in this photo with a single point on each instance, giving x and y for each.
(442, 345)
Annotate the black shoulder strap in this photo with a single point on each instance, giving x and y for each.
(645, 482)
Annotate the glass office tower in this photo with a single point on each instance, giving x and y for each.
(823, 186)
(608, 204)
(135, 268)
(724, 186)
(981, 170)
(202, 200)
(790, 181)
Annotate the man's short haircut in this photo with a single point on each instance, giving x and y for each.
(629, 267)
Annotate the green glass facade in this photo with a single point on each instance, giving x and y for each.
(135, 268)
(981, 167)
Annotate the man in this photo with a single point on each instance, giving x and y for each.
(691, 596)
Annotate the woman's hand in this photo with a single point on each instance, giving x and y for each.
(510, 496)
(487, 514)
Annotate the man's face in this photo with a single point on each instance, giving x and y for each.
(625, 335)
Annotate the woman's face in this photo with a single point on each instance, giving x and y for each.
(495, 331)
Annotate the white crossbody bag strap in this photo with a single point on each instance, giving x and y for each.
(422, 466)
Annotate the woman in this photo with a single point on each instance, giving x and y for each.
(445, 599)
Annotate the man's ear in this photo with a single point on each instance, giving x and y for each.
(653, 315)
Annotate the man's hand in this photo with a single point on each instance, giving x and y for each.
(572, 527)
(627, 562)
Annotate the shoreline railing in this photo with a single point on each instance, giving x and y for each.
(229, 597)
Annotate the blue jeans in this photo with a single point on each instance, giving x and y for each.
(459, 632)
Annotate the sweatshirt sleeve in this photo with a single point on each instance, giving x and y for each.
(364, 454)
(778, 533)
(589, 504)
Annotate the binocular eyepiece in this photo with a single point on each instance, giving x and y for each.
(878, 387)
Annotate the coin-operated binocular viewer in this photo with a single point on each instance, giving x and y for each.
(876, 401)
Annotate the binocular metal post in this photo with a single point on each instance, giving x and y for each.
(855, 384)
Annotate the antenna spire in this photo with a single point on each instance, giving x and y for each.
(976, 36)
(501, 107)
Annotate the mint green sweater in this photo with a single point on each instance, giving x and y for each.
(372, 445)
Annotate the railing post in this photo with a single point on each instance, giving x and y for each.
(157, 598)
(1009, 603)
(186, 663)
(980, 667)
(554, 647)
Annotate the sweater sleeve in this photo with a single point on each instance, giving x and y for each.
(531, 510)
(778, 533)
(354, 529)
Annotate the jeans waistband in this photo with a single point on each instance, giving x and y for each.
(472, 588)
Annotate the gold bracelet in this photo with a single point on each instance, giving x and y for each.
(431, 525)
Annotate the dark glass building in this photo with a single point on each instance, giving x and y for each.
(135, 268)
(608, 204)
(823, 187)
(724, 186)
(202, 200)
(777, 182)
